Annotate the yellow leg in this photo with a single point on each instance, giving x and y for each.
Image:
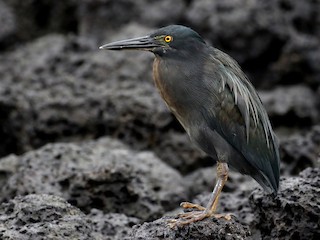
(201, 213)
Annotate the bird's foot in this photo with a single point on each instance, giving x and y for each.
(187, 218)
(194, 216)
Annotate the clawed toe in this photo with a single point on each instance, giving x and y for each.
(188, 205)
(227, 216)
(195, 216)
(187, 218)
(188, 215)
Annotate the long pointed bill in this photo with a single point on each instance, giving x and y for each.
(140, 43)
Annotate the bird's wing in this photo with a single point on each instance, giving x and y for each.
(241, 119)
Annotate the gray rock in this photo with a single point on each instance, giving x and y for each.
(94, 14)
(295, 212)
(43, 217)
(8, 24)
(101, 174)
(176, 149)
(204, 230)
(236, 26)
(298, 62)
(265, 37)
(300, 151)
(112, 226)
(291, 106)
(8, 166)
(34, 19)
(203, 180)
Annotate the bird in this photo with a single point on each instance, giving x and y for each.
(217, 105)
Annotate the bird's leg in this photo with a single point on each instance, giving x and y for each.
(201, 212)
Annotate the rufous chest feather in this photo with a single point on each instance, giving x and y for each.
(161, 85)
(169, 92)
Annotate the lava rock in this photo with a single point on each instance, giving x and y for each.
(295, 212)
(8, 166)
(101, 174)
(43, 217)
(272, 31)
(176, 149)
(234, 26)
(93, 15)
(34, 19)
(203, 180)
(301, 151)
(112, 226)
(298, 62)
(211, 228)
(8, 24)
(291, 106)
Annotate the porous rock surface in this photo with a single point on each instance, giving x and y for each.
(205, 230)
(295, 212)
(103, 174)
(112, 226)
(43, 217)
(300, 151)
(295, 106)
(277, 41)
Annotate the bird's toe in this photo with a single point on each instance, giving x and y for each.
(188, 205)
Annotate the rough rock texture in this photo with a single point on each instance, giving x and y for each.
(43, 217)
(276, 41)
(93, 15)
(35, 18)
(300, 58)
(203, 180)
(8, 166)
(300, 151)
(292, 106)
(205, 230)
(103, 174)
(65, 100)
(112, 226)
(295, 213)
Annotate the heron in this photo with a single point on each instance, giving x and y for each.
(218, 107)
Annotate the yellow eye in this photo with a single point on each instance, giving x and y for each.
(168, 38)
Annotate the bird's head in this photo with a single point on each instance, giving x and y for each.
(164, 41)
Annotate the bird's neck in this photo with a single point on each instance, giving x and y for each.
(176, 80)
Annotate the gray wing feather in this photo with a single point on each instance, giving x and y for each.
(255, 140)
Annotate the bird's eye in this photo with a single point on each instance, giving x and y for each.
(168, 38)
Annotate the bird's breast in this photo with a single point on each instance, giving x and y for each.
(170, 82)
(157, 78)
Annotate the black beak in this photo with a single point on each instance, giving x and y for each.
(140, 43)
